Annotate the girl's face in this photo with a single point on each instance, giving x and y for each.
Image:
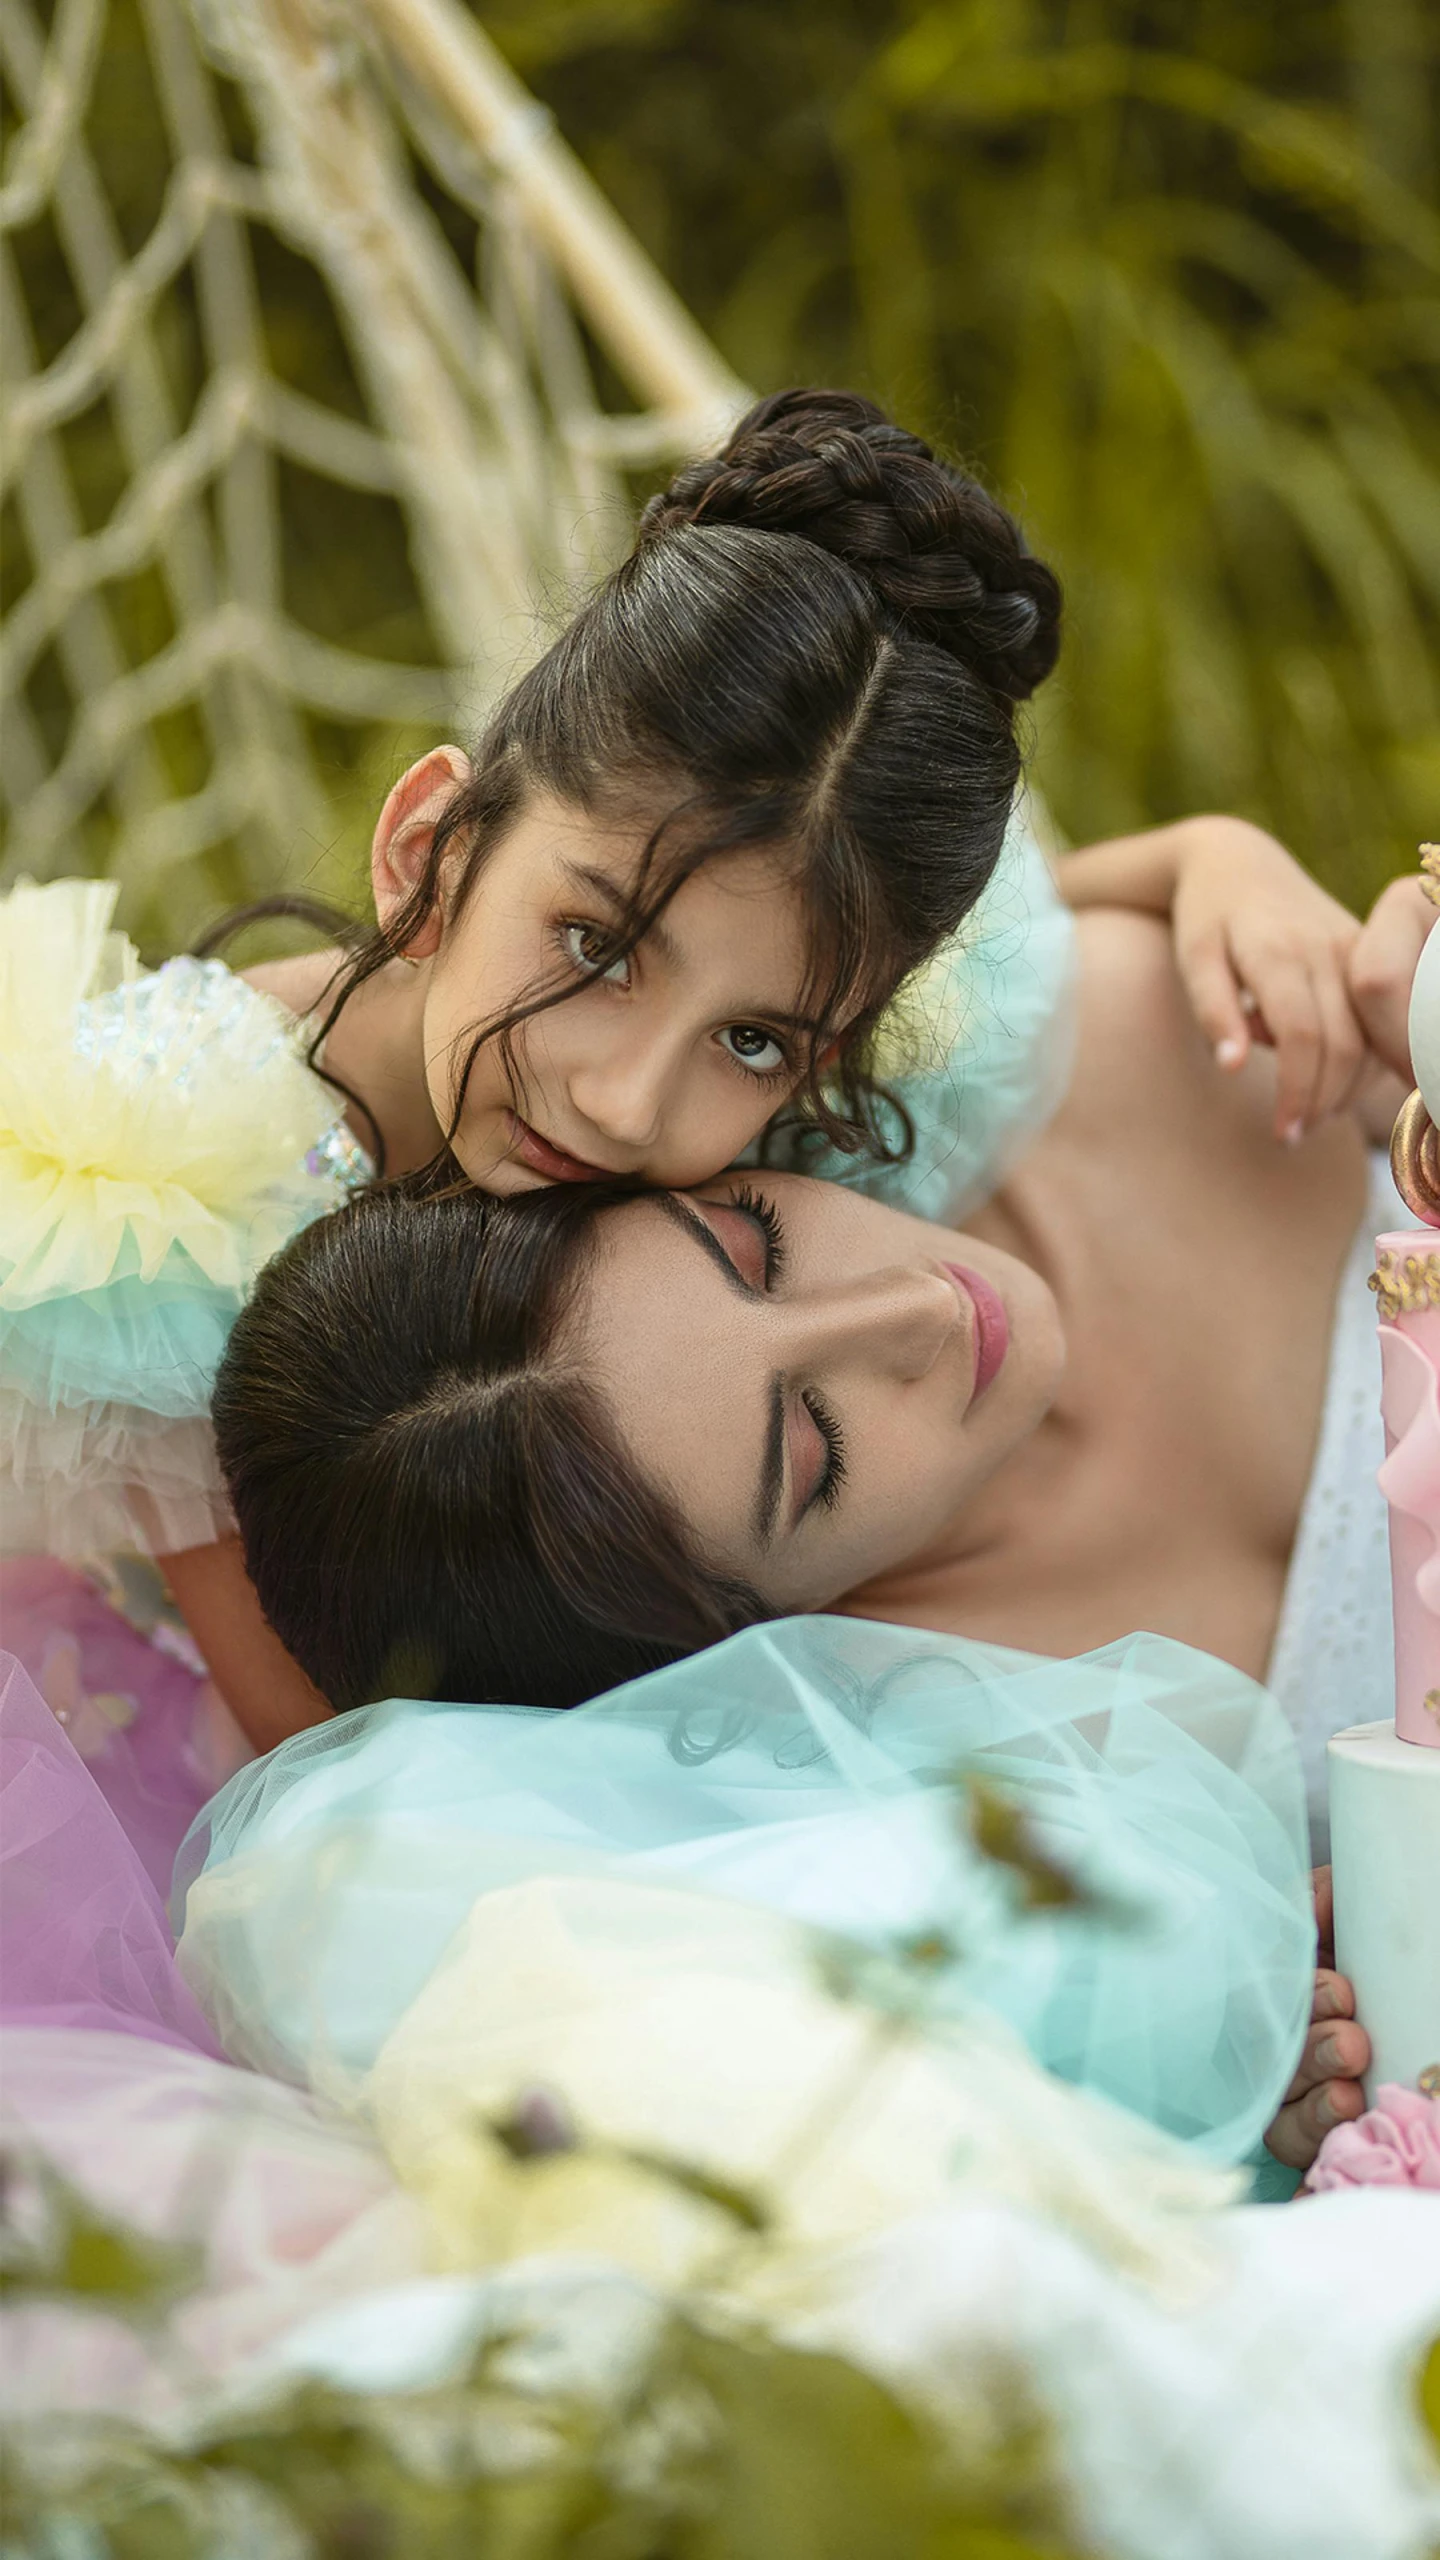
(821, 1384)
(664, 1066)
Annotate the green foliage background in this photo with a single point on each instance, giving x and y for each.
(1167, 269)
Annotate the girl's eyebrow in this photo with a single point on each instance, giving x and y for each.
(772, 1464)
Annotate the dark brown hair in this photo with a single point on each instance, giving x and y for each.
(432, 1500)
(817, 644)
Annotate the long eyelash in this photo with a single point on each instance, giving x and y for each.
(767, 1219)
(828, 1488)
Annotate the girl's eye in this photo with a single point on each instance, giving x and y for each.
(585, 946)
(751, 1047)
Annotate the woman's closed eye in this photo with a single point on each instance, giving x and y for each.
(816, 1439)
(742, 1234)
(827, 1479)
(766, 1222)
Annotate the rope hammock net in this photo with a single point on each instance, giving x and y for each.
(445, 397)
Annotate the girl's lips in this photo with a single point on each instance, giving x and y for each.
(992, 1326)
(556, 1166)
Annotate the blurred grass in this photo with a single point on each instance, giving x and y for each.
(1169, 273)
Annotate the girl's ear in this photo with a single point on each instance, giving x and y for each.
(403, 832)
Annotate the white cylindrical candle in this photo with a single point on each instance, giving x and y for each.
(1407, 1284)
(1385, 1848)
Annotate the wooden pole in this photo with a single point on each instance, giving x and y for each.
(642, 324)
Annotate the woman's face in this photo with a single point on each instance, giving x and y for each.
(819, 1383)
(664, 1066)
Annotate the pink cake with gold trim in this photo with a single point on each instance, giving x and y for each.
(1385, 1778)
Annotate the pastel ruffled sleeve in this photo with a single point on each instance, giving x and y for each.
(977, 1049)
(160, 1138)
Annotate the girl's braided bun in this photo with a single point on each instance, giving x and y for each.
(948, 561)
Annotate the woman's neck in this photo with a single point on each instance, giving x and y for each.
(1195, 1265)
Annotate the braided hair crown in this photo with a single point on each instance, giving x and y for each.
(943, 555)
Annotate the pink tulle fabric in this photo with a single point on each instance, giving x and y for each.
(1396, 2143)
(84, 1941)
(289, 2214)
(112, 2079)
(151, 1731)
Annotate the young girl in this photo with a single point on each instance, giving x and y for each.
(657, 921)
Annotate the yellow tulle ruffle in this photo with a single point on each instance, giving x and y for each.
(176, 1112)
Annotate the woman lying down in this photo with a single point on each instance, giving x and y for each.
(527, 1451)
(532, 1451)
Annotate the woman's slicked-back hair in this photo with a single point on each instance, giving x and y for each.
(432, 1501)
(817, 645)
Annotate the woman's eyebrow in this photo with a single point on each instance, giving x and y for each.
(772, 1469)
(772, 1464)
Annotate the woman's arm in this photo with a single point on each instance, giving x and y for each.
(265, 1690)
(1382, 966)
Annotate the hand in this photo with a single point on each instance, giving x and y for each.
(1382, 965)
(1326, 2088)
(1264, 954)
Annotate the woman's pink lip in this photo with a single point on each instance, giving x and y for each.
(553, 1162)
(992, 1325)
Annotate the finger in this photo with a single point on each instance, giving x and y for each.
(1322, 1886)
(1294, 1019)
(1216, 997)
(1342, 1039)
(1298, 2130)
(1334, 2050)
(1334, 1997)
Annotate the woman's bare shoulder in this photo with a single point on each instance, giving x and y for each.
(1147, 1093)
(1138, 1036)
(300, 984)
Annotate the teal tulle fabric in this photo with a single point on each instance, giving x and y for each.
(978, 1055)
(818, 1767)
(152, 1343)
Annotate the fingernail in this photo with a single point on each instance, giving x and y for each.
(1327, 2055)
(1326, 2113)
(1229, 1053)
(1294, 1133)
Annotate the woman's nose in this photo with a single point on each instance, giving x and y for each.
(892, 1323)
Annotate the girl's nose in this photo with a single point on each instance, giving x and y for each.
(622, 1094)
(893, 1324)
